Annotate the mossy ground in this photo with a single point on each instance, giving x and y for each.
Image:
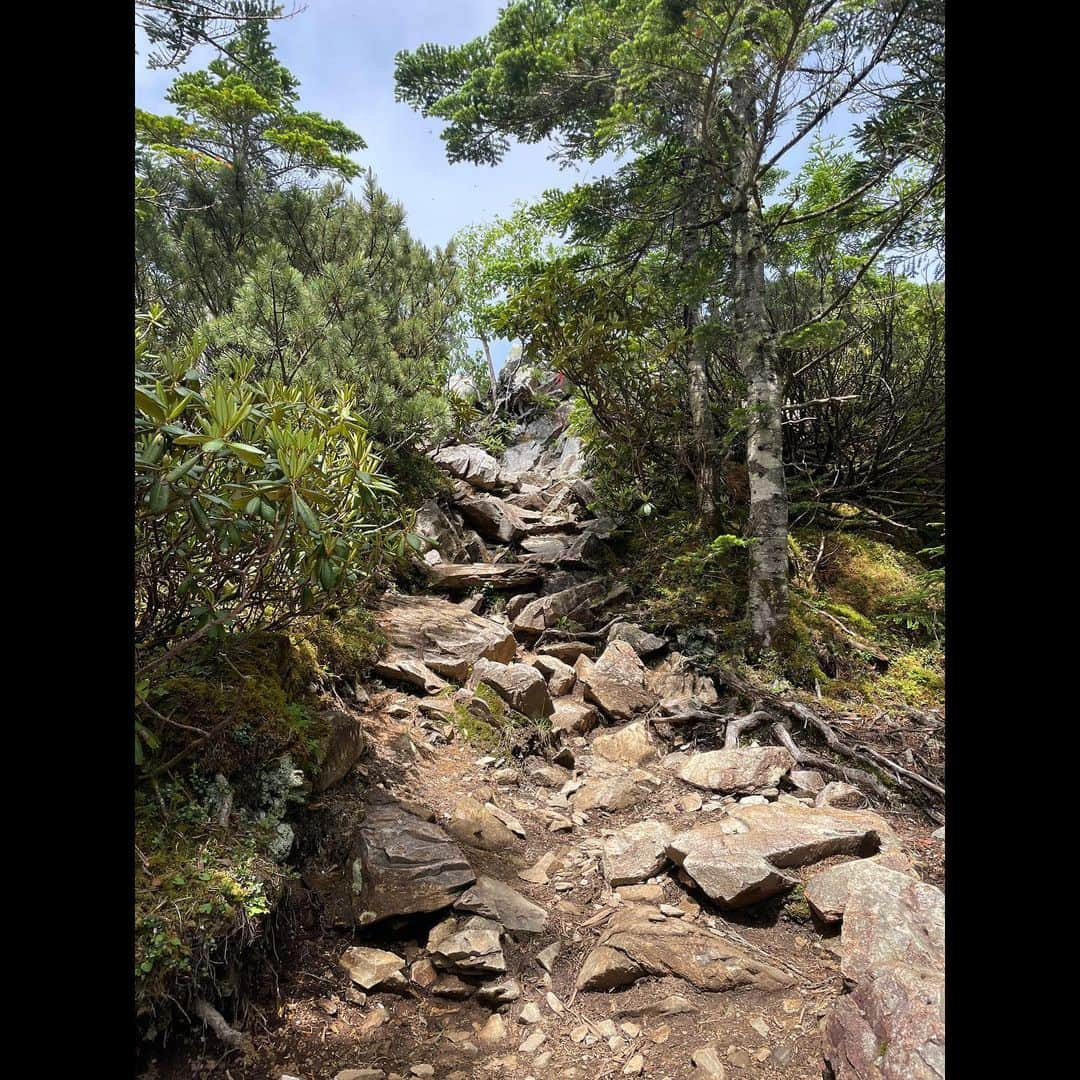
(202, 891)
(854, 600)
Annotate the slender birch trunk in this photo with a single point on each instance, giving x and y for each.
(701, 419)
(756, 355)
(491, 371)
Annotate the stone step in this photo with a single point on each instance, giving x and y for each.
(461, 577)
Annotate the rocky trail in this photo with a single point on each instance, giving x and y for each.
(638, 874)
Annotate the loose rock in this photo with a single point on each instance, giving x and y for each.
(630, 745)
(636, 852)
(469, 946)
(369, 968)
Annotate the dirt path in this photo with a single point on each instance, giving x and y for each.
(314, 1023)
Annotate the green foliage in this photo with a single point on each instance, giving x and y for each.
(496, 259)
(254, 502)
(241, 114)
(687, 580)
(200, 892)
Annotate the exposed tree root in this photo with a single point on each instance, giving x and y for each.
(851, 775)
(773, 706)
(928, 784)
(217, 1023)
(738, 724)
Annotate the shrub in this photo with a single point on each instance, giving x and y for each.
(255, 501)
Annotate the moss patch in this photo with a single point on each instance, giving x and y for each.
(346, 645)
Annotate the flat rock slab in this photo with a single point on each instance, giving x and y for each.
(743, 769)
(629, 745)
(521, 686)
(634, 945)
(739, 859)
(473, 464)
(474, 824)
(616, 682)
(891, 918)
(461, 577)
(891, 1027)
(636, 852)
(401, 865)
(443, 636)
(494, 899)
(402, 667)
(581, 550)
(469, 946)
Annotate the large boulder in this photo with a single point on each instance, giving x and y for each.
(340, 750)
(636, 852)
(400, 865)
(546, 611)
(494, 899)
(739, 859)
(442, 636)
(616, 682)
(522, 687)
(492, 517)
(473, 464)
(828, 890)
(891, 1027)
(628, 745)
(636, 944)
(741, 769)
(520, 458)
(891, 918)
(443, 531)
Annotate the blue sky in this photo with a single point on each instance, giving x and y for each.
(342, 51)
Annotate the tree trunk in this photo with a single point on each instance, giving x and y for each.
(756, 354)
(491, 370)
(704, 435)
